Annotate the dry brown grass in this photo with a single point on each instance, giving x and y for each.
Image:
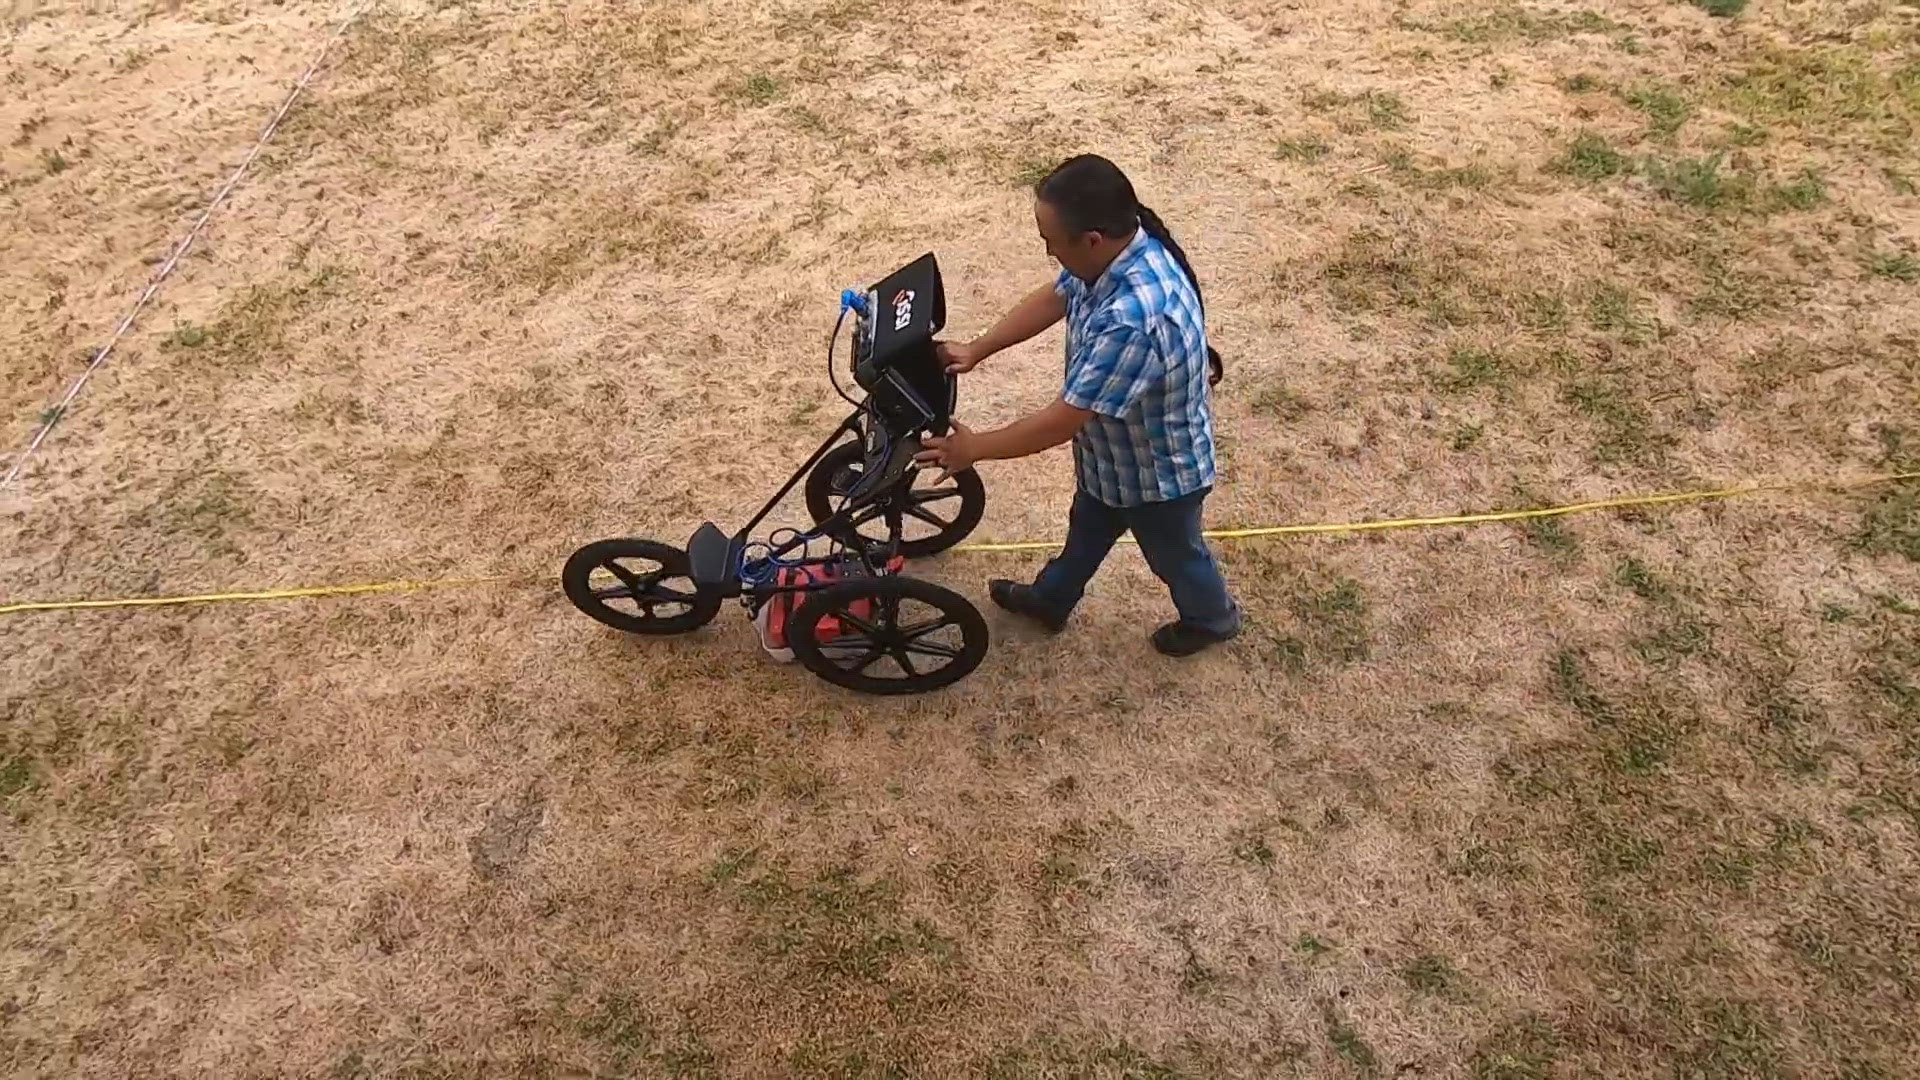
(1608, 796)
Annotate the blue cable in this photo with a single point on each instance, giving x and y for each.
(762, 569)
(757, 571)
(774, 540)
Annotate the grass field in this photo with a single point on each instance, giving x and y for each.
(1625, 794)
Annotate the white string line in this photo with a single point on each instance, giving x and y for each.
(54, 415)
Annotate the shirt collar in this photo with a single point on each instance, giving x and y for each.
(1116, 270)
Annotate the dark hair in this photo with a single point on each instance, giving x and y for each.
(1091, 194)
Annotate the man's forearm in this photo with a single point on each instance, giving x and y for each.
(1031, 434)
(1040, 309)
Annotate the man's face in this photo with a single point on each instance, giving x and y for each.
(1078, 253)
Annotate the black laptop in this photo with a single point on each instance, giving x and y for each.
(894, 357)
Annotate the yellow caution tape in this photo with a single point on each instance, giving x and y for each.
(1473, 519)
(1026, 545)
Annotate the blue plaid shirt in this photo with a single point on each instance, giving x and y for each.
(1137, 358)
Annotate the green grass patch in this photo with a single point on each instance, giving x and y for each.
(1698, 182)
(1633, 575)
(16, 775)
(1346, 1041)
(1897, 452)
(1196, 977)
(1735, 1039)
(829, 930)
(1549, 534)
(1891, 678)
(1335, 618)
(1709, 182)
(1515, 22)
(1784, 730)
(1439, 281)
(1592, 157)
(1640, 736)
(1290, 654)
(759, 89)
(187, 336)
(213, 506)
(1890, 524)
(1571, 685)
(1725, 9)
(1378, 273)
(258, 324)
(1471, 369)
(1673, 642)
(1610, 847)
(1386, 110)
(1615, 309)
(1666, 110)
(1430, 974)
(1380, 109)
(1274, 399)
(1804, 193)
(1406, 170)
(1538, 310)
(1626, 432)
(1306, 148)
(1896, 267)
(631, 1033)
(1831, 90)
(1733, 293)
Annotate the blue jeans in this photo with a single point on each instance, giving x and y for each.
(1169, 536)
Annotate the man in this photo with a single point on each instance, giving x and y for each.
(1135, 404)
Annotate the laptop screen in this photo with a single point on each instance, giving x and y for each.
(905, 310)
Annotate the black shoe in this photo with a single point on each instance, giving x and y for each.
(1185, 639)
(1020, 600)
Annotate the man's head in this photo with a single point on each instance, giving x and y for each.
(1086, 211)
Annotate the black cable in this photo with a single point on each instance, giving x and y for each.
(832, 376)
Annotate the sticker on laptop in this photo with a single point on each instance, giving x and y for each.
(902, 309)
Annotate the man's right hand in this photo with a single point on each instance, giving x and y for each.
(1042, 307)
(958, 358)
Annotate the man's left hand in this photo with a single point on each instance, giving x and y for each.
(954, 452)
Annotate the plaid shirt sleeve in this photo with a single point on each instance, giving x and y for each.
(1115, 367)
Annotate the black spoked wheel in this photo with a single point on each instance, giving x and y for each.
(934, 514)
(888, 635)
(640, 586)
